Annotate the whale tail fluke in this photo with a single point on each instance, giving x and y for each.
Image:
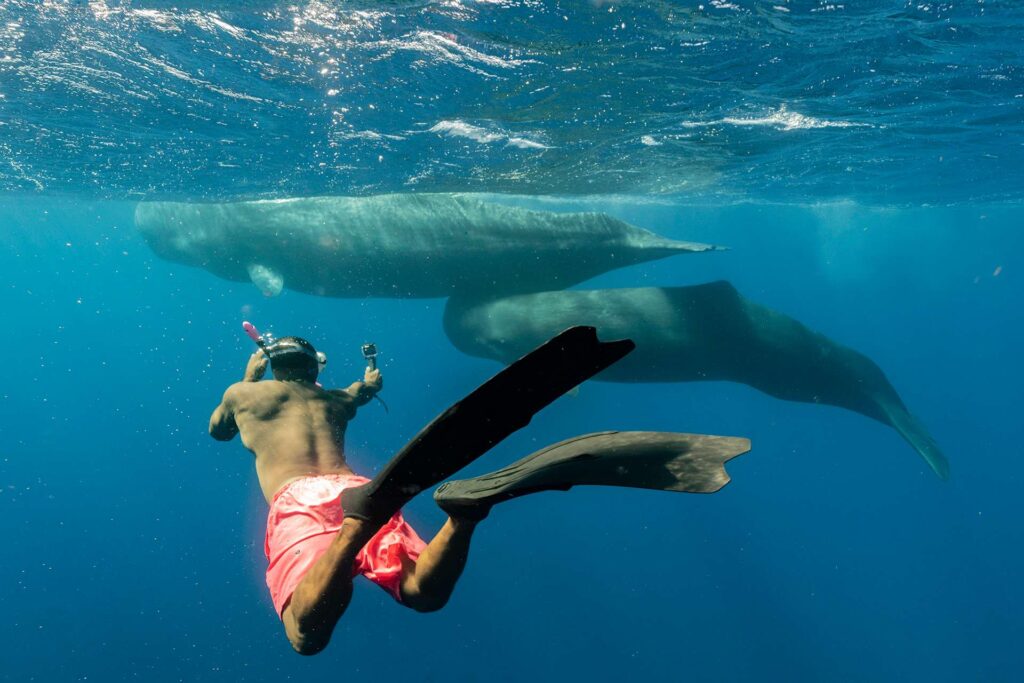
(911, 429)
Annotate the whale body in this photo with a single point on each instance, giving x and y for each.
(687, 334)
(397, 245)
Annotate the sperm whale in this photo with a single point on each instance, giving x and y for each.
(687, 334)
(397, 245)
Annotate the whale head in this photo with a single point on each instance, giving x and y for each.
(176, 232)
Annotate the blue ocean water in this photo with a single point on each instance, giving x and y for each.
(862, 162)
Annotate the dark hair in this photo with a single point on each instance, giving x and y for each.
(293, 358)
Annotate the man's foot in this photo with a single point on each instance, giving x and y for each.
(463, 512)
(360, 503)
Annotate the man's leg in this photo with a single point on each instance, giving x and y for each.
(428, 582)
(323, 594)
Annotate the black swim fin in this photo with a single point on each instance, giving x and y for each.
(667, 461)
(471, 427)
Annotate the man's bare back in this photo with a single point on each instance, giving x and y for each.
(294, 428)
(297, 429)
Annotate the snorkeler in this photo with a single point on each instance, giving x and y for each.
(316, 542)
(327, 524)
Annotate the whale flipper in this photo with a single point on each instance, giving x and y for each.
(269, 281)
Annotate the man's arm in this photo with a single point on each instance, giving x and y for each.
(363, 392)
(222, 422)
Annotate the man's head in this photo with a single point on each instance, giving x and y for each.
(293, 358)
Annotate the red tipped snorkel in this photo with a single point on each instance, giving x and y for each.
(254, 334)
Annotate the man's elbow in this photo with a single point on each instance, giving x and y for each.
(222, 433)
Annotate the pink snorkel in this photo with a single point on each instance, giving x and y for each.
(253, 333)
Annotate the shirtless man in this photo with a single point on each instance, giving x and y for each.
(296, 429)
(327, 524)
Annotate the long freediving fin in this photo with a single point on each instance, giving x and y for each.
(495, 409)
(666, 461)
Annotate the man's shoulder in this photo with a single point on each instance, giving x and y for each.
(341, 395)
(247, 391)
(342, 398)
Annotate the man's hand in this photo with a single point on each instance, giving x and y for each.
(363, 392)
(373, 380)
(256, 368)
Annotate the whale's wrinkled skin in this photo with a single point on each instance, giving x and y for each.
(686, 334)
(398, 245)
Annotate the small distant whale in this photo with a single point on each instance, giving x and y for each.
(688, 334)
(397, 245)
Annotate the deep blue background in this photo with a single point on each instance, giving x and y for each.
(133, 542)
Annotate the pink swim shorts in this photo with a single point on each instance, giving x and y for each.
(304, 518)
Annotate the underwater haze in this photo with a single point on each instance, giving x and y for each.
(862, 162)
